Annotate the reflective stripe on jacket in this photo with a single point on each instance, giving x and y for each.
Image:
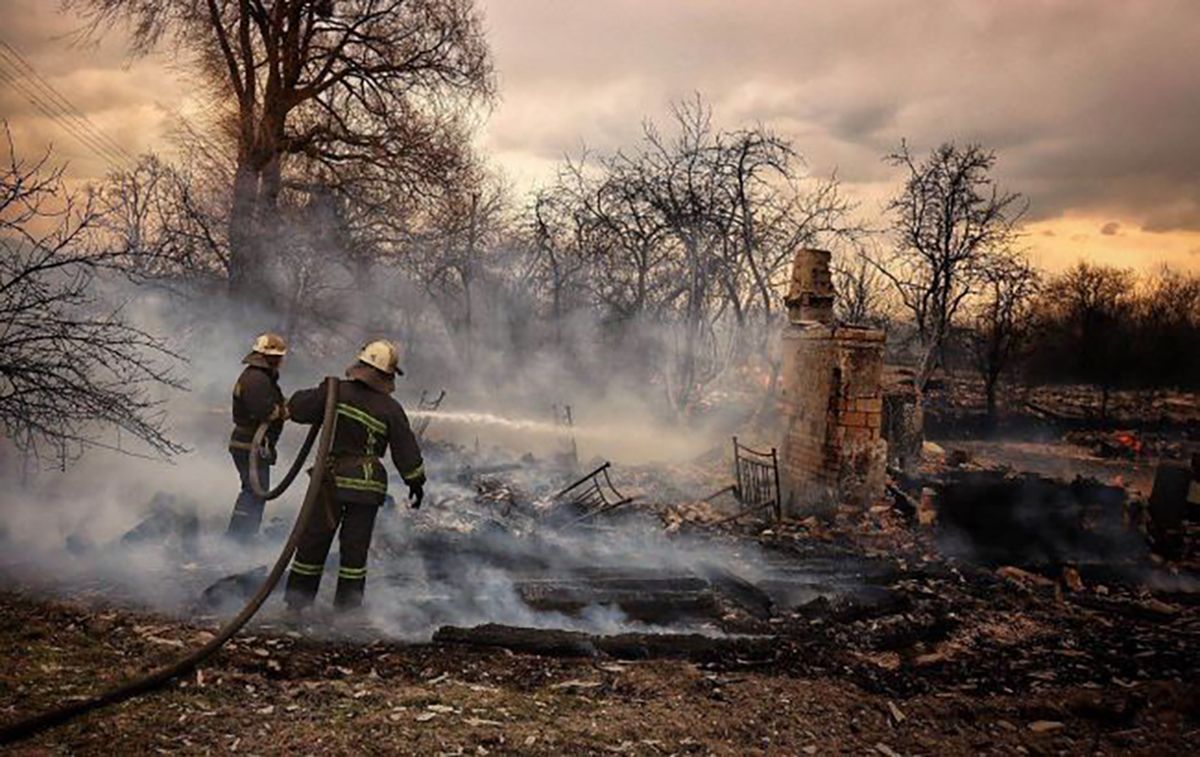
(256, 394)
(369, 423)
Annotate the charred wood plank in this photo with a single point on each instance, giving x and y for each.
(647, 580)
(694, 647)
(739, 591)
(551, 642)
(652, 601)
(858, 603)
(547, 642)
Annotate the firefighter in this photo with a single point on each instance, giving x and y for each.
(369, 422)
(256, 398)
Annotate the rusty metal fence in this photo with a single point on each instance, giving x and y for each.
(757, 474)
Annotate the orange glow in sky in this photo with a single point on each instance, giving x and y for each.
(1096, 131)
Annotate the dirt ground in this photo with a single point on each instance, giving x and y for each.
(938, 657)
(980, 666)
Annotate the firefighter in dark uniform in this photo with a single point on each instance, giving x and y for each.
(369, 422)
(256, 398)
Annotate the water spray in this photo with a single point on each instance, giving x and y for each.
(488, 419)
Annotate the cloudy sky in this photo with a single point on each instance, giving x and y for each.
(1092, 105)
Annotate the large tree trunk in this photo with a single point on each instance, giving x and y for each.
(242, 253)
(990, 385)
(254, 221)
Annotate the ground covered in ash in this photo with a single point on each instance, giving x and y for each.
(970, 665)
(503, 623)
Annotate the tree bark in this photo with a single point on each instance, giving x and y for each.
(990, 386)
(242, 257)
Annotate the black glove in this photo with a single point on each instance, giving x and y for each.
(416, 493)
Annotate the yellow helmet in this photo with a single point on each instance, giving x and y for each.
(270, 344)
(381, 355)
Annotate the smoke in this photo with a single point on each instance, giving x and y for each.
(458, 562)
(148, 533)
(463, 559)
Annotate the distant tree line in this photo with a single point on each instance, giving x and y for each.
(1093, 325)
(953, 282)
(1113, 329)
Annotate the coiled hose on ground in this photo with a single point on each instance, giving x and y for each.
(31, 726)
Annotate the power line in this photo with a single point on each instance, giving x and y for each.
(97, 149)
(50, 112)
(65, 104)
(52, 106)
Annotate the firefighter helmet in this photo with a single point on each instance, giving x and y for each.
(270, 344)
(381, 355)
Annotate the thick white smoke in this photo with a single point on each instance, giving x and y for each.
(64, 529)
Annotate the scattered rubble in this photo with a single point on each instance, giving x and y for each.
(971, 610)
(332, 696)
(623, 646)
(169, 518)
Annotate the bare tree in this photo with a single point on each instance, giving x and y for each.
(315, 273)
(564, 246)
(370, 90)
(172, 222)
(948, 222)
(689, 233)
(71, 367)
(1090, 308)
(673, 173)
(449, 250)
(861, 289)
(1002, 320)
(1167, 320)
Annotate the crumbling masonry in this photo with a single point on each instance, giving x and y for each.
(831, 400)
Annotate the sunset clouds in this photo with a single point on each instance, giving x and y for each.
(1092, 106)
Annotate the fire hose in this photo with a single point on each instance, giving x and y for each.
(31, 726)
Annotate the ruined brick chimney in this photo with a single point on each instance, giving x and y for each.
(810, 296)
(830, 402)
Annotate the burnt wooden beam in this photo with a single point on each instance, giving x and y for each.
(649, 600)
(552, 642)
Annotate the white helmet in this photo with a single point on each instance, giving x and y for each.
(381, 355)
(270, 344)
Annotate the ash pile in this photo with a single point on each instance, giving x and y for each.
(524, 554)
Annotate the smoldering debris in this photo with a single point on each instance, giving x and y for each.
(651, 599)
(496, 549)
(495, 559)
(1003, 519)
(170, 517)
(624, 646)
(493, 544)
(231, 591)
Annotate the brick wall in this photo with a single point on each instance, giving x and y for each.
(903, 420)
(810, 294)
(830, 412)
